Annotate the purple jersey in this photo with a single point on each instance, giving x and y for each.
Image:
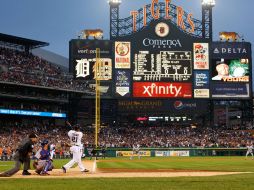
(45, 155)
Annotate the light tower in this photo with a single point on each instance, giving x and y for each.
(207, 19)
(114, 17)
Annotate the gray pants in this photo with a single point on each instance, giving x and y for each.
(18, 162)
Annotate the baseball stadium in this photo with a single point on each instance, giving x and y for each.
(154, 100)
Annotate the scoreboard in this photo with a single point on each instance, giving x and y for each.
(163, 61)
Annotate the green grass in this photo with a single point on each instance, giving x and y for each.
(230, 182)
(243, 182)
(183, 163)
(5, 165)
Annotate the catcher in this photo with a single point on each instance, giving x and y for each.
(44, 162)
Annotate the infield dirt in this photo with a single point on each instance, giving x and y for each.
(122, 173)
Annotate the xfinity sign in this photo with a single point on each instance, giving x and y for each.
(162, 90)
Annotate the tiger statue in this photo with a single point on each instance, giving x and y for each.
(95, 33)
(233, 36)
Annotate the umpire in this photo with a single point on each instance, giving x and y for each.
(22, 156)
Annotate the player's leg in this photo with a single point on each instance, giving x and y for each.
(48, 166)
(251, 155)
(67, 166)
(13, 170)
(52, 153)
(247, 153)
(40, 166)
(139, 156)
(78, 159)
(26, 166)
(131, 155)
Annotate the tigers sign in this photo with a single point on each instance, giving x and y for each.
(155, 10)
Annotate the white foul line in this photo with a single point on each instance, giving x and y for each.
(94, 166)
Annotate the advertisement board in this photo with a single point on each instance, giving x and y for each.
(162, 90)
(32, 113)
(201, 56)
(176, 107)
(122, 82)
(172, 153)
(83, 53)
(230, 50)
(231, 73)
(129, 153)
(162, 153)
(230, 90)
(82, 63)
(201, 79)
(201, 93)
(201, 84)
(122, 55)
(180, 153)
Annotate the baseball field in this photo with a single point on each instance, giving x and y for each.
(147, 173)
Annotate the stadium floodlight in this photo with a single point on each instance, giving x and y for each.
(208, 3)
(115, 1)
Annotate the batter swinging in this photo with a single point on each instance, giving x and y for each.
(75, 136)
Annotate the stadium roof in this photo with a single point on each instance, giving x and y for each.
(15, 41)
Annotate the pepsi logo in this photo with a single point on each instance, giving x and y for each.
(178, 105)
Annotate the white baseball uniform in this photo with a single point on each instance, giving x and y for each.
(52, 149)
(135, 150)
(249, 150)
(76, 149)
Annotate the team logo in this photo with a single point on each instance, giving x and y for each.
(82, 68)
(178, 105)
(122, 49)
(162, 29)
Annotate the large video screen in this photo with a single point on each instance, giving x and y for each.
(230, 78)
(83, 59)
(83, 64)
(230, 70)
(231, 74)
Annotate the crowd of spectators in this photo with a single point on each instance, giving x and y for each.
(174, 136)
(126, 136)
(22, 68)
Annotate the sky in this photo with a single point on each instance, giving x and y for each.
(59, 21)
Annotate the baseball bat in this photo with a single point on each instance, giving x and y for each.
(68, 123)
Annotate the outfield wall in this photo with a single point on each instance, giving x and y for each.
(173, 152)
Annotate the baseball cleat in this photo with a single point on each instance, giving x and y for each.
(85, 170)
(25, 172)
(44, 173)
(64, 169)
(4, 175)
